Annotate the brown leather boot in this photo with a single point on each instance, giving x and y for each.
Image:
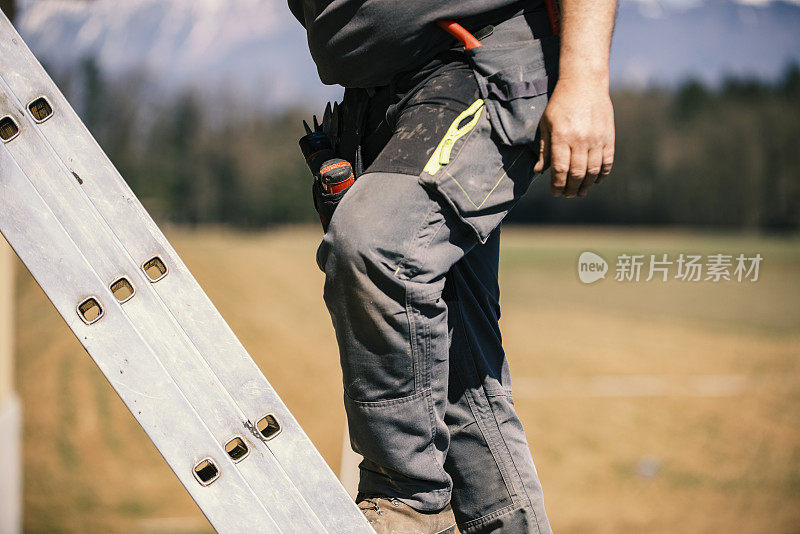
(390, 516)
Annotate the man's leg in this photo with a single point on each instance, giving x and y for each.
(386, 254)
(495, 486)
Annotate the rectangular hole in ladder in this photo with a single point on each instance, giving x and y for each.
(123, 290)
(236, 449)
(40, 109)
(155, 269)
(206, 471)
(268, 426)
(90, 310)
(8, 128)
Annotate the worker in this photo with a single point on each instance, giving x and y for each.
(445, 135)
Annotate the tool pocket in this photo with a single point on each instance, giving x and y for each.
(325, 203)
(515, 79)
(479, 178)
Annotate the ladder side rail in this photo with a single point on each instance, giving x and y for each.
(133, 370)
(212, 336)
(146, 313)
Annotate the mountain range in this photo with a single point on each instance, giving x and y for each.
(256, 50)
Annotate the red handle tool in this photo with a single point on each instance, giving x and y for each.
(459, 32)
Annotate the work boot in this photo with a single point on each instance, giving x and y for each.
(390, 516)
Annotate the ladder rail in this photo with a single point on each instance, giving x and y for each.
(147, 314)
(143, 384)
(293, 465)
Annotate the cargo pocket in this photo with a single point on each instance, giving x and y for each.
(398, 436)
(479, 178)
(514, 80)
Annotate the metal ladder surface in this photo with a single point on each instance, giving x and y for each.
(146, 322)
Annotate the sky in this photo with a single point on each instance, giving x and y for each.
(695, 2)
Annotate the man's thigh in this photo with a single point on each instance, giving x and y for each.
(392, 221)
(385, 256)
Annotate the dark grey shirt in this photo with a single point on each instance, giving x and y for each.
(364, 43)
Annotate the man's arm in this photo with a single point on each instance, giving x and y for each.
(578, 123)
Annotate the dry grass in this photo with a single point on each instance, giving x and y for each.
(718, 463)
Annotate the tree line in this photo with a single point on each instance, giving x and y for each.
(725, 156)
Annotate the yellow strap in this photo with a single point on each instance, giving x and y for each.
(441, 156)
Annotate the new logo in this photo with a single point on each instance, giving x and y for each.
(591, 267)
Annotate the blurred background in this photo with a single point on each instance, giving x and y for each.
(650, 407)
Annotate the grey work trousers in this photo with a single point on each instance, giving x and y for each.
(414, 298)
(412, 288)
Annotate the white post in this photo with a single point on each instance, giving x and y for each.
(10, 421)
(348, 468)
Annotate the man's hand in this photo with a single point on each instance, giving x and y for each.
(577, 137)
(577, 128)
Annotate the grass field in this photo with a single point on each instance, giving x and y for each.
(655, 407)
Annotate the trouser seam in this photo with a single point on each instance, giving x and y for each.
(432, 444)
(419, 342)
(422, 360)
(421, 376)
(413, 340)
(421, 348)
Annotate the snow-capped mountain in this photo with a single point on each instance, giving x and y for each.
(663, 43)
(256, 50)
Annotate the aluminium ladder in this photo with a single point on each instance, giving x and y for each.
(146, 322)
